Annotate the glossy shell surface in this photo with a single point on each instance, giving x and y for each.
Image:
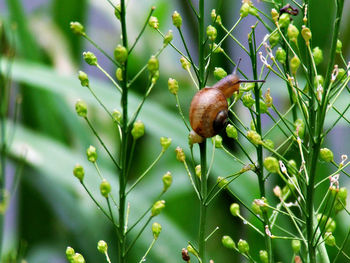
(205, 106)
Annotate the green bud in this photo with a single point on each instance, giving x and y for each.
(117, 11)
(243, 246)
(294, 64)
(81, 108)
(219, 73)
(180, 155)
(326, 155)
(90, 58)
(306, 33)
(254, 137)
(274, 39)
(78, 258)
(342, 194)
(192, 250)
(269, 143)
(117, 116)
(244, 10)
(211, 33)
(165, 143)
(157, 207)
(77, 28)
(215, 18)
(329, 239)
(83, 77)
(119, 74)
(256, 209)
(194, 138)
(79, 172)
(341, 73)
(105, 188)
(138, 130)
(274, 14)
(156, 229)
(268, 98)
(198, 171)
(153, 22)
(339, 47)
(263, 107)
(153, 65)
(248, 100)
(91, 154)
(155, 77)
(264, 256)
(292, 164)
(217, 49)
(120, 54)
(231, 132)
(292, 33)
(252, 125)
(168, 37)
(271, 164)
(234, 209)
(253, 11)
(70, 253)
(318, 79)
(331, 225)
(173, 86)
(296, 245)
(299, 126)
(218, 141)
(167, 181)
(228, 242)
(177, 19)
(185, 63)
(222, 182)
(284, 20)
(281, 55)
(102, 246)
(318, 55)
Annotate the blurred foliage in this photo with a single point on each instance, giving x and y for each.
(52, 209)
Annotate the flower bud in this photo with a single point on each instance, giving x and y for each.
(153, 22)
(271, 164)
(228, 242)
(264, 256)
(165, 143)
(192, 250)
(231, 132)
(252, 125)
(339, 47)
(277, 191)
(81, 108)
(102, 246)
(342, 194)
(167, 181)
(341, 73)
(243, 246)
(117, 11)
(211, 33)
(294, 64)
(105, 188)
(296, 245)
(117, 116)
(194, 138)
(318, 55)
(274, 39)
(269, 143)
(248, 100)
(274, 14)
(331, 225)
(157, 207)
(90, 58)
(306, 33)
(299, 126)
(319, 79)
(91, 154)
(83, 77)
(268, 98)
(156, 229)
(180, 155)
(138, 130)
(263, 107)
(215, 18)
(234, 209)
(168, 37)
(77, 28)
(153, 65)
(222, 182)
(244, 10)
(254, 137)
(79, 172)
(218, 141)
(120, 54)
(78, 258)
(326, 155)
(217, 49)
(284, 20)
(329, 239)
(177, 19)
(119, 74)
(281, 55)
(173, 86)
(70, 254)
(292, 33)
(198, 171)
(256, 209)
(185, 63)
(253, 11)
(219, 73)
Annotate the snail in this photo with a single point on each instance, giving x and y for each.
(209, 107)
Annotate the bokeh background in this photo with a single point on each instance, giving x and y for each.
(50, 210)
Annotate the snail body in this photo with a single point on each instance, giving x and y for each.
(209, 107)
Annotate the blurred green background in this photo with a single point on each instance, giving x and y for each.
(50, 210)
